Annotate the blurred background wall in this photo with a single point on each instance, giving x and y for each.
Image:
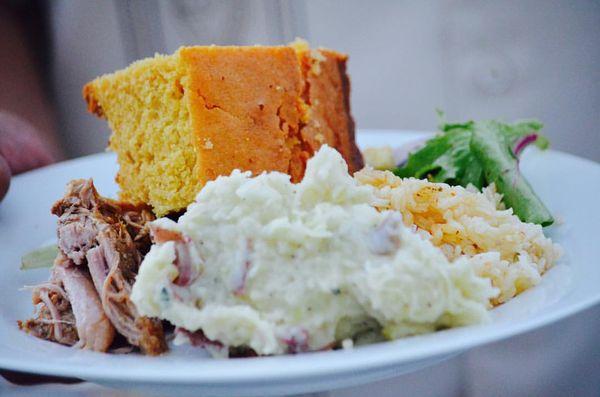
(474, 59)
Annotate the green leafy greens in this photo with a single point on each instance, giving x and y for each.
(40, 257)
(481, 153)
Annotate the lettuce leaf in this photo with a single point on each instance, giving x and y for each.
(445, 158)
(494, 150)
(479, 153)
(39, 257)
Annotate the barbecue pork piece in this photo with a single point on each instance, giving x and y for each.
(102, 243)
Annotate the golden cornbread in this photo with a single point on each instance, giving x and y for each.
(179, 121)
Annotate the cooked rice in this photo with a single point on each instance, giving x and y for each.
(460, 221)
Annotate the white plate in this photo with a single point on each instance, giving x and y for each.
(569, 186)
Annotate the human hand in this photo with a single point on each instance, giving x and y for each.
(5, 175)
(21, 149)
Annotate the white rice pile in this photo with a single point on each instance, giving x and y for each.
(460, 221)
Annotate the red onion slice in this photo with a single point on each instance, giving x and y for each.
(523, 142)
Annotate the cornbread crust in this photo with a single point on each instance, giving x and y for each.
(327, 96)
(179, 121)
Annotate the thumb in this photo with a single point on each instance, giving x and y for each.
(20, 144)
(4, 177)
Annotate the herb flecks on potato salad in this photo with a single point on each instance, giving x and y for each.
(281, 267)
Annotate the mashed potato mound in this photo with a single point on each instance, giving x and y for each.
(466, 223)
(276, 266)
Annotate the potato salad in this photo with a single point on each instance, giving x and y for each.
(277, 267)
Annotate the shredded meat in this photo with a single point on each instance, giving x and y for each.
(93, 327)
(54, 319)
(103, 242)
(69, 310)
(110, 238)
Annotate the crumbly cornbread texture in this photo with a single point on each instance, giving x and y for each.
(179, 121)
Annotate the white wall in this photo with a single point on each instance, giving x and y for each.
(474, 59)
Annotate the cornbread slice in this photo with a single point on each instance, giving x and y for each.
(179, 121)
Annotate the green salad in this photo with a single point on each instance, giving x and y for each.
(480, 153)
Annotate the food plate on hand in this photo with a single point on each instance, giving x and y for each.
(564, 183)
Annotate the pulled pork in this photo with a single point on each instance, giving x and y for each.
(101, 241)
(69, 310)
(55, 320)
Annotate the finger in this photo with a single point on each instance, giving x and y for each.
(20, 144)
(5, 175)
